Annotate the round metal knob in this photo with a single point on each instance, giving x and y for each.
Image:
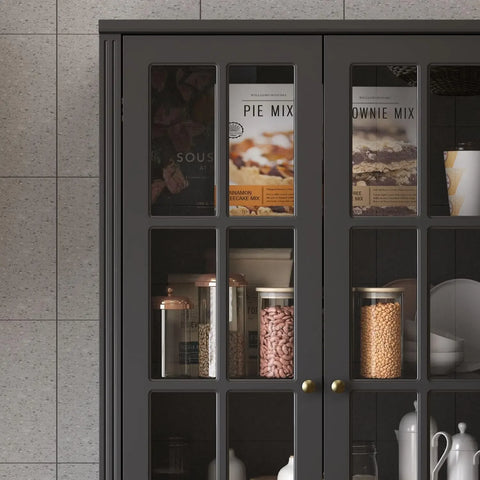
(338, 386)
(308, 386)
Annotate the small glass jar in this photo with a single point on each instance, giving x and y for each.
(178, 338)
(378, 313)
(207, 329)
(364, 461)
(276, 332)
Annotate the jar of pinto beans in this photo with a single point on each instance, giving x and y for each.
(378, 318)
(275, 332)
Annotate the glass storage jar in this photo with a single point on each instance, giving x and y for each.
(178, 337)
(207, 327)
(364, 461)
(276, 332)
(378, 313)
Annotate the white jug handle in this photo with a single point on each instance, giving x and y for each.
(476, 457)
(448, 446)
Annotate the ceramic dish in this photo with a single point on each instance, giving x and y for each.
(455, 310)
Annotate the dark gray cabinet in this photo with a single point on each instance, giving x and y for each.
(345, 190)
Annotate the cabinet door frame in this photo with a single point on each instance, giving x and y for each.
(305, 52)
(341, 52)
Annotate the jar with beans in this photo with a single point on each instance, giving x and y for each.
(276, 332)
(207, 327)
(378, 314)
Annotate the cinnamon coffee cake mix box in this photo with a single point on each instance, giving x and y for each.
(384, 151)
(261, 147)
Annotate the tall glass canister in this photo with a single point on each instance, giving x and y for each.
(276, 332)
(378, 315)
(207, 328)
(178, 338)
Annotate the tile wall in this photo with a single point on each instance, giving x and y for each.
(49, 282)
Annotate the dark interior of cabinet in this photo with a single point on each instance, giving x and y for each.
(260, 429)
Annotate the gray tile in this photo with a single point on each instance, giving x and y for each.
(78, 391)
(27, 472)
(27, 16)
(82, 17)
(27, 248)
(27, 105)
(78, 274)
(28, 391)
(393, 9)
(78, 105)
(272, 9)
(87, 471)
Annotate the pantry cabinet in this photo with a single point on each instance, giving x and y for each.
(290, 247)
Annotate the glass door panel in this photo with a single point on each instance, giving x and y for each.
(265, 259)
(454, 272)
(182, 136)
(261, 140)
(179, 342)
(384, 140)
(454, 99)
(261, 432)
(384, 284)
(381, 424)
(182, 435)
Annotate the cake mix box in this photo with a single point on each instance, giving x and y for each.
(384, 151)
(261, 162)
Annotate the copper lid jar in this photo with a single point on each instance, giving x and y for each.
(207, 328)
(178, 339)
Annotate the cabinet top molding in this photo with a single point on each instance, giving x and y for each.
(282, 27)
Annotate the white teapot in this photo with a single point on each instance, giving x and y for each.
(462, 458)
(407, 438)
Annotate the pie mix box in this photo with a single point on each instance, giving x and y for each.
(384, 151)
(261, 147)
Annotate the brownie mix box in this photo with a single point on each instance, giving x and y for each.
(261, 146)
(384, 151)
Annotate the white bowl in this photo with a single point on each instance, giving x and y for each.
(443, 363)
(445, 342)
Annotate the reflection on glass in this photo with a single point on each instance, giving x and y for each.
(458, 417)
(454, 270)
(384, 284)
(177, 263)
(260, 432)
(182, 441)
(261, 133)
(384, 140)
(454, 138)
(265, 258)
(384, 438)
(182, 139)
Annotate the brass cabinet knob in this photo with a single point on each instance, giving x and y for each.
(338, 386)
(308, 386)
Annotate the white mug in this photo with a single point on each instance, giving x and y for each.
(448, 446)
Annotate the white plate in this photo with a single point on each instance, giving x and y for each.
(455, 309)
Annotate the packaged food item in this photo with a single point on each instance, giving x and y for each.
(261, 131)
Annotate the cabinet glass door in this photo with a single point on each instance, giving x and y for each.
(222, 272)
(401, 256)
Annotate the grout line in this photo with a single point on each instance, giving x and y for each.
(344, 9)
(56, 243)
(200, 8)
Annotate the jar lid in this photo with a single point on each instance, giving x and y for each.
(275, 290)
(464, 441)
(378, 290)
(210, 280)
(171, 302)
(362, 447)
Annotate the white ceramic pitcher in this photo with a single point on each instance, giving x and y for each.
(407, 439)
